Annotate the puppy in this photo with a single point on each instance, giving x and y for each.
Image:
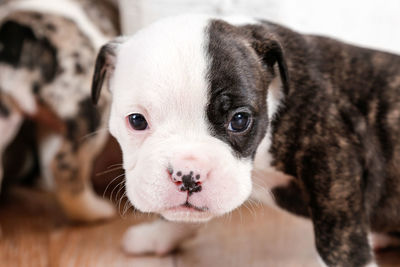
(203, 108)
(47, 53)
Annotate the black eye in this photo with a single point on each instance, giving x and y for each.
(239, 122)
(137, 121)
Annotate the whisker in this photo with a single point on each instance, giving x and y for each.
(127, 205)
(119, 203)
(105, 190)
(240, 215)
(112, 191)
(83, 138)
(130, 209)
(120, 186)
(115, 165)
(108, 171)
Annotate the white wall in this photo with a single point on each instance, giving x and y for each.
(371, 23)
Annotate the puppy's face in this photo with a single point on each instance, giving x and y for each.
(189, 110)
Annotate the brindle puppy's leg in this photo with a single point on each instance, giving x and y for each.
(337, 205)
(159, 237)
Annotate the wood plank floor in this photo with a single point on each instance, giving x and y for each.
(35, 233)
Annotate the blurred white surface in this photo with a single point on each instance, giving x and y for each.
(369, 23)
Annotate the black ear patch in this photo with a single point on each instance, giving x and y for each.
(271, 52)
(104, 67)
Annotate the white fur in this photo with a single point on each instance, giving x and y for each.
(274, 97)
(321, 261)
(380, 241)
(66, 8)
(161, 73)
(13, 82)
(159, 237)
(265, 177)
(48, 148)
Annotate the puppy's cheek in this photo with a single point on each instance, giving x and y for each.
(148, 194)
(224, 191)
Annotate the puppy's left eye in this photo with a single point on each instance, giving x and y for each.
(137, 122)
(239, 122)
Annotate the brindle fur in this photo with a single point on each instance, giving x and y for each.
(337, 131)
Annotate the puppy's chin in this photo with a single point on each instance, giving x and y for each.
(186, 215)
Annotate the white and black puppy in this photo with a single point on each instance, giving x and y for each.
(205, 107)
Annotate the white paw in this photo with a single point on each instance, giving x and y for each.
(381, 241)
(158, 237)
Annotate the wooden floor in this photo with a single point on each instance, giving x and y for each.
(35, 233)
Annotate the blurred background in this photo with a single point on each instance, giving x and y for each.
(62, 199)
(370, 22)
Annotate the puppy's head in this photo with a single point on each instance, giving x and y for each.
(189, 110)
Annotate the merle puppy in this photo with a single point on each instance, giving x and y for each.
(203, 107)
(47, 54)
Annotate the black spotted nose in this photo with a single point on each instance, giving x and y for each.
(189, 181)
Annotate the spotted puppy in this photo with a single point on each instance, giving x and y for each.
(47, 53)
(204, 108)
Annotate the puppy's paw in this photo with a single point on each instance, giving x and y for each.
(87, 207)
(100, 209)
(158, 237)
(381, 241)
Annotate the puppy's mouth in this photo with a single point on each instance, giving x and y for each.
(188, 207)
(187, 212)
(191, 206)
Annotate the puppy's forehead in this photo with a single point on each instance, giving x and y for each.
(167, 64)
(164, 65)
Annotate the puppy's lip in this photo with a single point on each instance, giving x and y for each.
(188, 207)
(187, 212)
(187, 204)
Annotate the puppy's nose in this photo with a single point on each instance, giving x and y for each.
(188, 174)
(188, 182)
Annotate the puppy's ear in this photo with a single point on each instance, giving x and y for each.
(271, 52)
(104, 67)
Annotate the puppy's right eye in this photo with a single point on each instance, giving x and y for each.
(239, 122)
(137, 122)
